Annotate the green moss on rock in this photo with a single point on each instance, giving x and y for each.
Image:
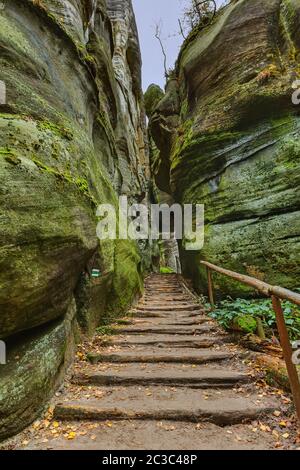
(245, 324)
(152, 97)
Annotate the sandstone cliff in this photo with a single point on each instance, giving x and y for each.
(228, 137)
(72, 136)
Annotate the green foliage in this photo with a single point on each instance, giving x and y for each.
(245, 323)
(166, 270)
(105, 330)
(230, 310)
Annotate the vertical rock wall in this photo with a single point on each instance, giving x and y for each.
(72, 136)
(228, 135)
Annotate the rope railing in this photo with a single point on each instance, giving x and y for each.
(277, 294)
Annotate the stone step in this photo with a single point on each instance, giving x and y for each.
(184, 406)
(167, 341)
(160, 286)
(162, 280)
(160, 374)
(180, 295)
(176, 320)
(166, 313)
(171, 307)
(164, 291)
(169, 330)
(162, 308)
(166, 321)
(152, 435)
(157, 356)
(142, 314)
(165, 300)
(165, 282)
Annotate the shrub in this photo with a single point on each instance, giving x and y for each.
(231, 310)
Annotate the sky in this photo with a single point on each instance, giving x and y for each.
(148, 13)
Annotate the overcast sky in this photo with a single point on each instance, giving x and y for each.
(149, 12)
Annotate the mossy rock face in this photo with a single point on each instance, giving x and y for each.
(236, 147)
(36, 364)
(70, 140)
(245, 324)
(152, 97)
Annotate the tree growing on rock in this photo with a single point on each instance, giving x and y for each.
(198, 13)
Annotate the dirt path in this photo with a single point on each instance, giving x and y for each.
(169, 379)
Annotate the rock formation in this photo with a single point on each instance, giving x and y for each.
(72, 136)
(228, 136)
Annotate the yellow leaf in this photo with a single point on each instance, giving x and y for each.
(71, 435)
(286, 435)
(282, 424)
(55, 424)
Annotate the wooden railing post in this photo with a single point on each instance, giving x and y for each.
(277, 293)
(210, 288)
(287, 352)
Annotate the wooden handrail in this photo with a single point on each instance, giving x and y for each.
(286, 294)
(277, 294)
(261, 286)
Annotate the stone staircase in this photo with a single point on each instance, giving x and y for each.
(168, 371)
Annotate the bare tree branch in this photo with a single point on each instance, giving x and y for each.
(181, 29)
(158, 37)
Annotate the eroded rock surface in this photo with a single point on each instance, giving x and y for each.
(72, 136)
(228, 135)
